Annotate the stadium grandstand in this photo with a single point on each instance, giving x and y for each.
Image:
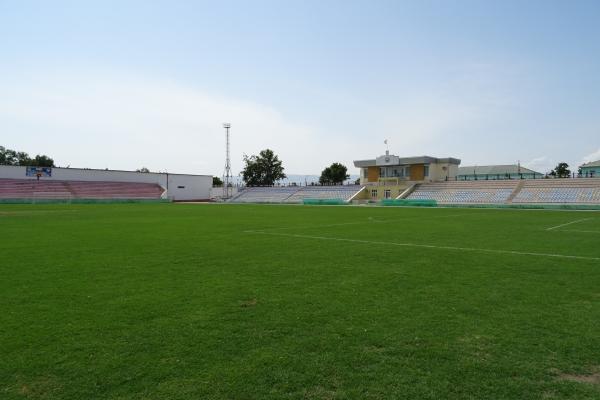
(389, 176)
(33, 189)
(523, 191)
(551, 191)
(439, 181)
(297, 194)
(25, 184)
(461, 192)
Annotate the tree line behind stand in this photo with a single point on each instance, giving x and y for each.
(266, 168)
(263, 169)
(20, 158)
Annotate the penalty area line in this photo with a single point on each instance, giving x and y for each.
(568, 223)
(361, 222)
(579, 230)
(427, 246)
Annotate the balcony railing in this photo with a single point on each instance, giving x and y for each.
(381, 181)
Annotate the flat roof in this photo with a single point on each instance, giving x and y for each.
(409, 160)
(591, 164)
(106, 170)
(495, 170)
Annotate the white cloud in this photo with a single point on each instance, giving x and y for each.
(123, 121)
(541, 164)
(595, 156)
(127, 122)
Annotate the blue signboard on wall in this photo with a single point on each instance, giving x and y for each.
(39, 171)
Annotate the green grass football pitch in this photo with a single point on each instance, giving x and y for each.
(187, 301)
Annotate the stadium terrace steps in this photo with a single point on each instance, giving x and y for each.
(55, 189)
(294, 194)
(404, 194)
(263, 194)
(551, 191)
(531, 191)
(358, 193)
(516, 191)
(324, 192)
(465, 192)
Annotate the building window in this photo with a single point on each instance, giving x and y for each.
(426, 170)
(387, 194)
(374, 193)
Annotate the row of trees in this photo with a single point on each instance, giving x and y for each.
(266, 168)
(562, 171)
(13, 157)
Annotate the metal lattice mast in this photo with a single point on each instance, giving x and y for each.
(227, 177)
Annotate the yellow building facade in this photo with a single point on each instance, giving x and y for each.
(389, 176)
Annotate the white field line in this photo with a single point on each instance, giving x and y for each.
(578, 230)
(567, 224)
(429, 246)
(368, 220)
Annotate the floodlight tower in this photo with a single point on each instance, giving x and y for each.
(227, 177)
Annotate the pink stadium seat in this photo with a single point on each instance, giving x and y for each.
(54, 189)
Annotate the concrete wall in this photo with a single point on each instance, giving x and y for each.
(8, 172)
(180, 187)
(395, 191)
(439, 172)
(189, 187)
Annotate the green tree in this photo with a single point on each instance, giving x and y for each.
(262, 170)
(562, 170)
(217, 181)
(12, 157)
(3, 156)
(24, 159)
(143, 169)
(42, 161)
(335, 174)
(8, 156)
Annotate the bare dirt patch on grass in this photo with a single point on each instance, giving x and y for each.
(248, 303)
(590, 379)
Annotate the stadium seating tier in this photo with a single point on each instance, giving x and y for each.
(294, 194)
(540, 191)
(56, 189)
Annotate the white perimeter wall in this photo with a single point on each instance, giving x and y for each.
(189, 187)
(180, 187)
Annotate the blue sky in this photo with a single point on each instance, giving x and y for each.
(125, 84)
